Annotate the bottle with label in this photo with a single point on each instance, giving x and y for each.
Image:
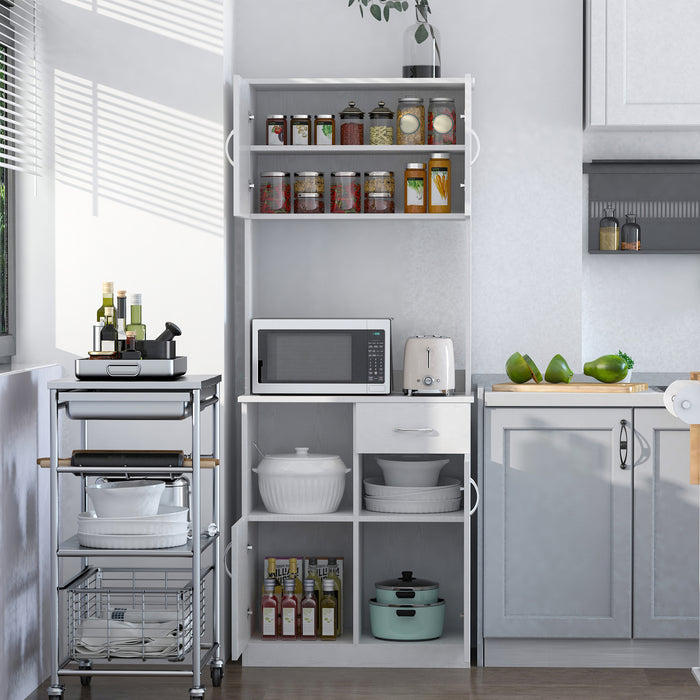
(107, 299)
(121, 318)
(609, 230)
(439, 178)
(276, 130)
(108, 334)
(293, 576)
(272, 576)
(414, 188)
(631, 234)
(312, 574)
(136, 324)
(337, 592)
(324, 130)
(269, 610)
(290, 611)
(309, 611)
(329, 611)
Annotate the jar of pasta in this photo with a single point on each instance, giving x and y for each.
(345, 192)
(308, 203)
(379, 203)
(410, 121)
(352, 126)
(414, 188)
(308, 181)
(274, 193)
(300, 130)
(324, 130)
(439, 173)
(276, 130)
(442, 128)
(381, 126)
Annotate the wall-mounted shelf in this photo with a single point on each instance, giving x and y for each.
(663, 194)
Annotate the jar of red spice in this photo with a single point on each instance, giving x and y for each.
(276, 130)
(352, 128)
(442, 129)
(275, 193)
(345, 192)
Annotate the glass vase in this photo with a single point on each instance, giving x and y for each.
(421, 46)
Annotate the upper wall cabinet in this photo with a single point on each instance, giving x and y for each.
(643, 64)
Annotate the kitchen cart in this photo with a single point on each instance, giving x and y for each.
(112, 599)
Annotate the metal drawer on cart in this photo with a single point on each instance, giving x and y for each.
(134, 405)
(412, 428)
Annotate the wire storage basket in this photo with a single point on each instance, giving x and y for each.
(132, 613)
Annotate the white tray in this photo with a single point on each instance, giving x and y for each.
(447, 488)
(390, 505)
(132, 541)
(169, 520)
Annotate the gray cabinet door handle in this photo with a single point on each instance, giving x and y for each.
(623, 444)
(413, 430)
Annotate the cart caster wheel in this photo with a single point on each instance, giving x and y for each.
(217, 674)
(85, 680)
(196, 693)
(55, 692)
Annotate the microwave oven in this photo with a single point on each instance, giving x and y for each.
(321, 356)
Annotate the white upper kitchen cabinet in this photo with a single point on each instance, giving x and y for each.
(643, 64)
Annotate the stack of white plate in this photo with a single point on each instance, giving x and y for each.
(168, 528)
(443, 498)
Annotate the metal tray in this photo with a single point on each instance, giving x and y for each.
(86, 368)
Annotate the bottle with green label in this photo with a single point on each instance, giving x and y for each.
(329, 611)
(107, 300)
(136, 324)
(337, 592)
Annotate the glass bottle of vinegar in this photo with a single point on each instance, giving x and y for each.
(329, 611)
(609, 230)
(269, 608)
(309, 611)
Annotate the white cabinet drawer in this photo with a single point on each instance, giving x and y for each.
(414, 428)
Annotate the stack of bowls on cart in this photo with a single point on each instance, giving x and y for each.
(127, 514)
(412, 484)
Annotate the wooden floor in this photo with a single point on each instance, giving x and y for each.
(394, 684)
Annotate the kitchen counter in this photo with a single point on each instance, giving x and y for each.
(653, 397)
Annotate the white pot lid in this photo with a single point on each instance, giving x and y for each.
(302, 453)
(301, 462)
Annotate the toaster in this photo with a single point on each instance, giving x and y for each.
(428, 365)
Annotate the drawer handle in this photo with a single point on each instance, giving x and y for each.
(413, 430)
(476, 491)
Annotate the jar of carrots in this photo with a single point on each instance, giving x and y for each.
(439, 176)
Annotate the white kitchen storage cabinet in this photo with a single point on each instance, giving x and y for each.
(374, 546)
(642, 62)
(590, 538)
(187, 582)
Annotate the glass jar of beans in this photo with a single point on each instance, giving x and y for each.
(352, 128)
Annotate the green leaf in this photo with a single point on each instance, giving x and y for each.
(350, 2)
(404, 5)
(421, 34)
(376, 12)
(365, 2)
(386, 12)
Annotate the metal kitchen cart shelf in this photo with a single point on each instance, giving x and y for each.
(151, 616)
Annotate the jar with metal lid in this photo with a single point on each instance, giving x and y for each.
(378, 181)
(442, 127)
(345, 192)
(324, 130)
(410, 121)
(381, 126)
(276, 130)
(308, 203)
(300, 128)
(352, 127)
(274, 193)
(309, 181)
(379, 203)
(439, 175)
(414, 188)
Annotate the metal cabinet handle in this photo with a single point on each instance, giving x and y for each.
(227, 143)
(623, 444)
(413, 430)
(476, 491)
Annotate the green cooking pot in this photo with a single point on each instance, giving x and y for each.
(406, 590)
(406, 622)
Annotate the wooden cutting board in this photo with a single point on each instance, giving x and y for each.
(574, 387)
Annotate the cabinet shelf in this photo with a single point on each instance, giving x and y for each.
(368, 516)
(340, 516)
(423, 149)
(72, 548)
(360, 217)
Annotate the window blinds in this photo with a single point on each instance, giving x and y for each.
(18, 85)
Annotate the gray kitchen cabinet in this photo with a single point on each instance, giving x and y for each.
(642, 61)
(557, 524)
(665, 571)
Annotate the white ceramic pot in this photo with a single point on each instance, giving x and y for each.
(301, 482)
(121, 499)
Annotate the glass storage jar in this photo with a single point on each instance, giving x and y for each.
(309, 181)
(300, 128)
(439, 175)
(381, 126)
(609, 230)
(308, 203)
(379, 203)
(414, 188)
(352, 126)
(276, 130)
(324, 130)
(442, 127)
(274, 193)
(630, 234)
(345, 192)
(378, 181)
(410, 121)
